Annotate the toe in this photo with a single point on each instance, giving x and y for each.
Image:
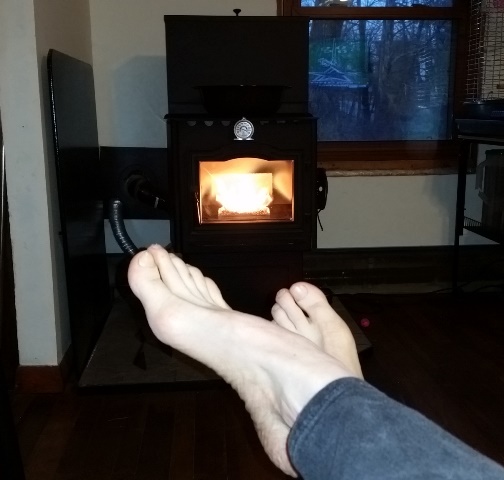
(309, 298)
(167, 270)
(185, 280)
(281, 318)
(291, 309)
(145, 280)
(216, 294)
(200, 283)
(175, 275)
(142, 270)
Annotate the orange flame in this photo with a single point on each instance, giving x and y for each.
(244, 192)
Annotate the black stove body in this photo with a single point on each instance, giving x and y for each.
(242, 183)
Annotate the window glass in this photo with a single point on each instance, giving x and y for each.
(380, 80)
(376, 3)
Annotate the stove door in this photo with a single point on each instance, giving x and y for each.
(246, 190)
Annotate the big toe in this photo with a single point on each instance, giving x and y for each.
(309, 298)
(144, 278)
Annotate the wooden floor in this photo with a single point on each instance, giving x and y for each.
(440, 354)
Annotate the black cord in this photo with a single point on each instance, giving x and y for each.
(319, 222)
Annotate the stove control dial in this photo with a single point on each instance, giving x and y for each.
(243, 129)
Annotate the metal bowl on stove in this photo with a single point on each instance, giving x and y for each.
(242, 99)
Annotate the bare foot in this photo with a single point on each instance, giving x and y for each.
(304, 309)
(275, 371)
(198, 284)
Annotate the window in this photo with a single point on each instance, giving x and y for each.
(386, 78)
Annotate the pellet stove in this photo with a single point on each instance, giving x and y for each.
(242, 171)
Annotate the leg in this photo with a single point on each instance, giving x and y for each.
(351, 431)
(275, 371)
(304, 309)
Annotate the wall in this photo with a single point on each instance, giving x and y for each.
(388, 211)
(130, 72)
(28, 28)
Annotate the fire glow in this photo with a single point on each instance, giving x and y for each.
(244, 193)
(245, 189)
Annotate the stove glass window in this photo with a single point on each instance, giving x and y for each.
(246, 190)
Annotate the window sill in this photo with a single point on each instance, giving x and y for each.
(390, 173)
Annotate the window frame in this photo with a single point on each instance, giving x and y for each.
(396, 157)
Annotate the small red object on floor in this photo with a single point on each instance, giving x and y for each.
(365, 322)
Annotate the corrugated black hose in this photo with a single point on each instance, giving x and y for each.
(119, 229)
(140, 189)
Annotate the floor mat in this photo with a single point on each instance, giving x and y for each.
(128, 354)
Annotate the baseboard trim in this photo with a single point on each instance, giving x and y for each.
(44, 378)
(390, 265)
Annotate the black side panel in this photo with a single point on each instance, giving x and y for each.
(71, 88)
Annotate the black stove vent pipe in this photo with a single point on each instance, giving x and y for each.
(119, 229)
(140, 189)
